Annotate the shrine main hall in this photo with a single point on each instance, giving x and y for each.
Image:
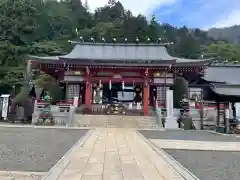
(137, 75)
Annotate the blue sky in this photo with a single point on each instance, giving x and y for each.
(192, 13)
(200, 13)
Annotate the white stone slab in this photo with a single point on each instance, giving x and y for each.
(171, 123)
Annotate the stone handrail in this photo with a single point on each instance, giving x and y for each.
(71, 115)
(159, 117)
(61, 116)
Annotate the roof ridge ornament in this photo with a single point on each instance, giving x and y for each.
(103, 39)
(92, 39)
(159, 40)
(137, 40)
(81, 39)
(170, 43)
(114, 40)
(148, 39)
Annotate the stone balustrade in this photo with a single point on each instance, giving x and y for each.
(62, 115)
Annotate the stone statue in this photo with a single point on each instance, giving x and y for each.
(45, 116)
(186, 120)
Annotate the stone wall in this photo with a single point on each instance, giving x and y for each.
(60, 117)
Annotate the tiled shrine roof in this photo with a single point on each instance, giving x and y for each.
(224, 79)
(223, 73)
(226, 90)
(124, 53)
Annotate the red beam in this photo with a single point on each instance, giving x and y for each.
(126, 80)
(117, 70)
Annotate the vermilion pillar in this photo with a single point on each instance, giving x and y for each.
(145, 99)
(87, 94)
(87, 89)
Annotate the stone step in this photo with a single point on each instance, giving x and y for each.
(145, 120)
(118, 126)
(113, 120)
(116, 121)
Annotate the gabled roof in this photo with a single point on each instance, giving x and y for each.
(141, 53)
(223, 73)
(98, 51)
(226, 90)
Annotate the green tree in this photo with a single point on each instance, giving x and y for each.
(43, 27)
(180, 89)
(46, 48)
(187, 47)
(154, 31)
(223, 51)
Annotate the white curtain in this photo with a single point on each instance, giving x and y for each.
(125, 96)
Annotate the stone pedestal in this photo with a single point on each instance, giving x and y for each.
(171, 123)
(35, 113)
(75, 101)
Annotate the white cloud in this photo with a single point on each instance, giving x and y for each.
(233, 18)
(136, 6)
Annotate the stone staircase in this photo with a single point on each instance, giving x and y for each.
(115, 121)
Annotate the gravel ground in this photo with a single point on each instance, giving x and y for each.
(187, 135)
(35, 150)
(213, 165)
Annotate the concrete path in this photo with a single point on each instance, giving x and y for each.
(197, 145)
(117, 154)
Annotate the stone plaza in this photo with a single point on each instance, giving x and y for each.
(60, 153)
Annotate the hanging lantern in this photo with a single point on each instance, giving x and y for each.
(110, 84)
(123, 85)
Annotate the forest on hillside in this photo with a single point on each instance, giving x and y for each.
(231, 34)
(43, 27)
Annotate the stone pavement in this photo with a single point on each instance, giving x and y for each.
(197, 145)
(117, 154)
